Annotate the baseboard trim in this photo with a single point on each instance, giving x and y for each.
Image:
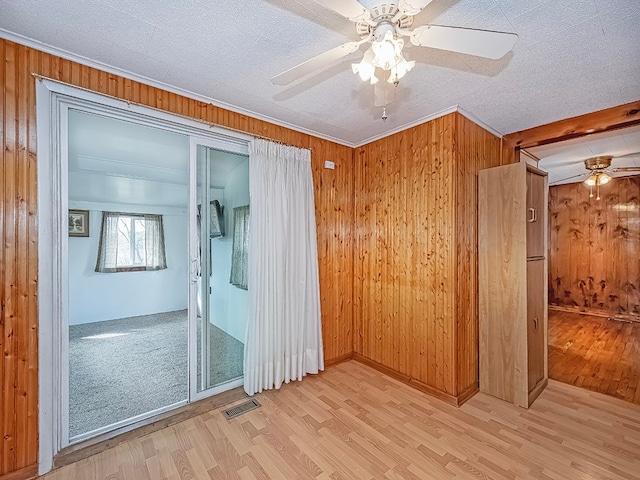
(538, 389)
(100, 443)
(595, 313)
(23, 474)
(417, 384)
(337, 360)
(468, 393)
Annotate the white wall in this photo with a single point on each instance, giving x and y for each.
(229, 304)
(94, 297)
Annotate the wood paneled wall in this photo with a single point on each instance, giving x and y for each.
(404, 263)
(18, 226)
(476, 149)
(594, 247)
(415, 292)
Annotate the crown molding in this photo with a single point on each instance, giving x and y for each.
(480, 123)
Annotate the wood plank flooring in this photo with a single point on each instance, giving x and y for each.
(595, 353)
(352, 422)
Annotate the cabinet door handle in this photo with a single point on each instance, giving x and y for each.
(533, 215)
(536, 323)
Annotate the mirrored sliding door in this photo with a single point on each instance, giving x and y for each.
(220, 211)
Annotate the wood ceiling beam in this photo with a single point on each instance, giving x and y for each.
(612, 118)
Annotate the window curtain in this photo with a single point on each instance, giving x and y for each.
(107, 261)
(108, 246)
(154, 239)
(240, 248)
(284, 336)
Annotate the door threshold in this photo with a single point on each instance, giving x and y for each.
(100, 443)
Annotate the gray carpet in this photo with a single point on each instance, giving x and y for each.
(134, 365)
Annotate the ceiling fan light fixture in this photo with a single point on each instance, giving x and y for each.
(592, 180)
(366, 69)
(388, 51)
(604, 178)
(597, 179)
(400, 70)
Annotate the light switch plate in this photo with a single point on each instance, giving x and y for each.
(329, 164)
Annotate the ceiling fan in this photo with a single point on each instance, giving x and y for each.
(382, 24)
(598, 172)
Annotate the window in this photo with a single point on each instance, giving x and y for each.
(131, 242)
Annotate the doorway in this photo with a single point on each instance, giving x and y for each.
(594, 304)
(127, 272)
(153, 323)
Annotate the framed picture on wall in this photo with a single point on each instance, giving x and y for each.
(78, 223)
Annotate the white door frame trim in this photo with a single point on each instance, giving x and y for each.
(53, 101)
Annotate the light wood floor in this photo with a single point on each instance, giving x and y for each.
(595, 353)
(352, 422)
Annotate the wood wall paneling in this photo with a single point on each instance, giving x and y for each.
(594, 261)
(18, 260)
(477, 149)
(334, 223)
(18, 225)
(415, 293)
(404, 256)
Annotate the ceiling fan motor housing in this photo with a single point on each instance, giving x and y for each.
(381, 13)
(598, 163)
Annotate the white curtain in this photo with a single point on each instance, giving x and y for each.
(155, 255)
(284, 335)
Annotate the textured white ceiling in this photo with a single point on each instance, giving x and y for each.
(572, 57)
(565, 160)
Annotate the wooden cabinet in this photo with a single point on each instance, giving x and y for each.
(536, 208)
(512, 264)
(536, 306)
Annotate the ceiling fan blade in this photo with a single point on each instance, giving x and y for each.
(626, 169)
(483, 43)
(556, 182)
(628, 155)
(350, 9)
(383, 93)
(315, 63)
(412, 7)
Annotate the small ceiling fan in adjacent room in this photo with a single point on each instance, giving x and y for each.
(599, 172)
(382, 24)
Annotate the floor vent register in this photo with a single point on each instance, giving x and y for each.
(233, 412)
